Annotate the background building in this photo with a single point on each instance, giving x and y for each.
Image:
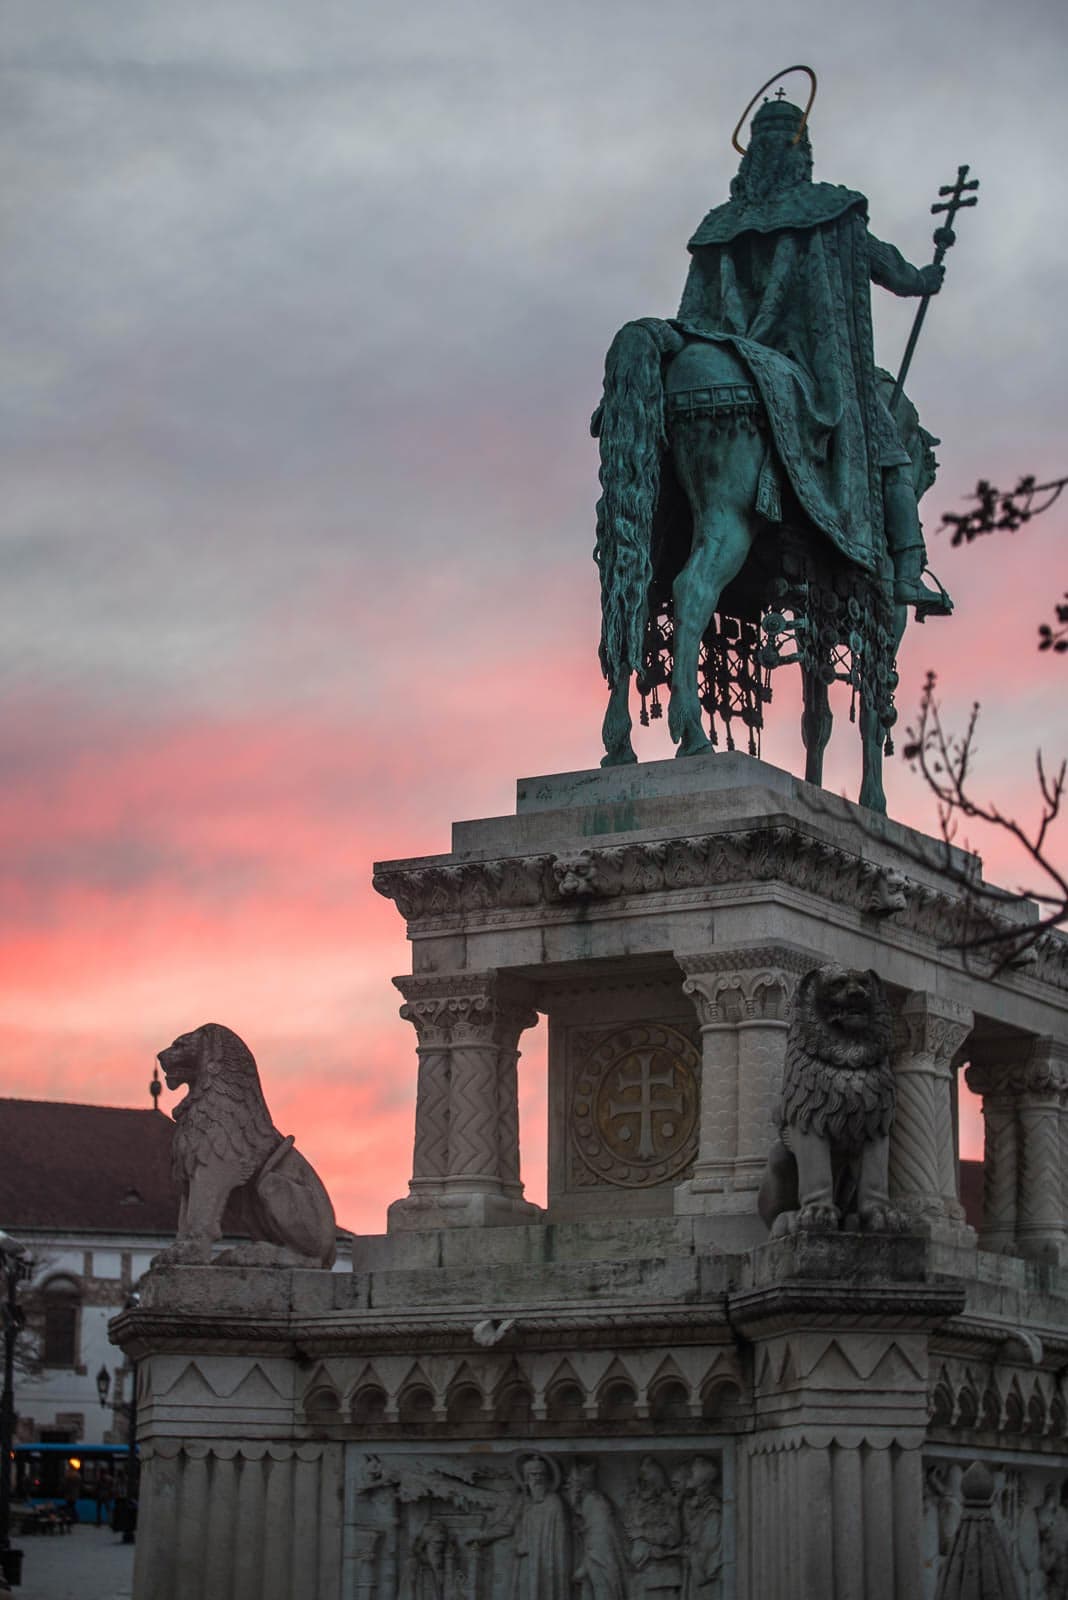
(88, 1190)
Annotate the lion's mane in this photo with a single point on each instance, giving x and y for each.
(835, 1083)
(224, 1112)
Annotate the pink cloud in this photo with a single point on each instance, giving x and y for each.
(219, 866)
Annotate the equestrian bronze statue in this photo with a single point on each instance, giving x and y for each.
(760, 475)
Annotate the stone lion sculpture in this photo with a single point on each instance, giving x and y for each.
(828, 1167)
(225, 1141)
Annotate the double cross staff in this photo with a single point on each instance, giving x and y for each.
(943, 237)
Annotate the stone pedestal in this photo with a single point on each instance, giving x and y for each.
(831, 1477)
(634, 1393)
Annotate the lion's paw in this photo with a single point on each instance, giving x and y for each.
(184, 1253)
(878, 1217)
(819, 1216)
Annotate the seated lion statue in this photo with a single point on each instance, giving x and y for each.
(225, 1141)
(829, 1166)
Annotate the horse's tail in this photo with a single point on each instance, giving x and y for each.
(630, 425)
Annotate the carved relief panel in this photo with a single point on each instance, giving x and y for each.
(1030, 1511)
(624, 1092)
(526, 1524)
(633, 1102)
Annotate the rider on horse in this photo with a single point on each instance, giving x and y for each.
(782, 272)
(755, 417)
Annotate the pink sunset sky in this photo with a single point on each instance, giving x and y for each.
(305, 312)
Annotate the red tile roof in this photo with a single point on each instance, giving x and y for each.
(100, 1168)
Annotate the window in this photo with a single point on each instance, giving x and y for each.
(62, 1303)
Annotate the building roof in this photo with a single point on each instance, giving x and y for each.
(101, 1169)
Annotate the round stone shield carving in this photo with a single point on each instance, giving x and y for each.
(634, 1105)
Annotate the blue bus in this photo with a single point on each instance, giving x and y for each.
(42, 1472)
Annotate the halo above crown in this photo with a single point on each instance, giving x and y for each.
(741, 149)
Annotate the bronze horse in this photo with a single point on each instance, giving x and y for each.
(684, 448)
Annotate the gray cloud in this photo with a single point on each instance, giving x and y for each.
(300, 296)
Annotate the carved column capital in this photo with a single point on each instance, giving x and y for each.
(755, 983)
(468, 1008)
(933, 1029)
(1020, 1069)
(1044, 1075)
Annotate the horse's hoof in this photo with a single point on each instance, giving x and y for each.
(693, 745)
(623, 756)
(874, 799)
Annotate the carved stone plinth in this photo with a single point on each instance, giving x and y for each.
(797, 1416)
(833, 1471)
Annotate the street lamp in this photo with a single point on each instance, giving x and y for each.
(127, 1409)
(15, 1266)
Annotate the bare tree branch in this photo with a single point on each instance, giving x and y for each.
(945, 760)
(996, 510)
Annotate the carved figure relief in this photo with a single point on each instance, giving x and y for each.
(633, 1104)
(653, 1524)
(434, 1569)
(542, 1534)
(601, 1572)
(535, 1526)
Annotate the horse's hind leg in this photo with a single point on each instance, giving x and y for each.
(872, 734)
(719, 475)
(615, 729)
(816, 723)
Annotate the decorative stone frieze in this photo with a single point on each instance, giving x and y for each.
(432, 893)
(533, 1523)
(923, 1164)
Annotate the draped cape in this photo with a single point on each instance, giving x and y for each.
(786, 283)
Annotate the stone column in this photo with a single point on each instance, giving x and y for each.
(923, 1166)
(1000, 1155)
(761, 1054)
(742, 998)
(430, 1161)
(719, 1003)
(1023, 1082)
(466, 1159)
(1040, 1217)
(511, 1022)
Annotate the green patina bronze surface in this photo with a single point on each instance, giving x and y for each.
(759, 498)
